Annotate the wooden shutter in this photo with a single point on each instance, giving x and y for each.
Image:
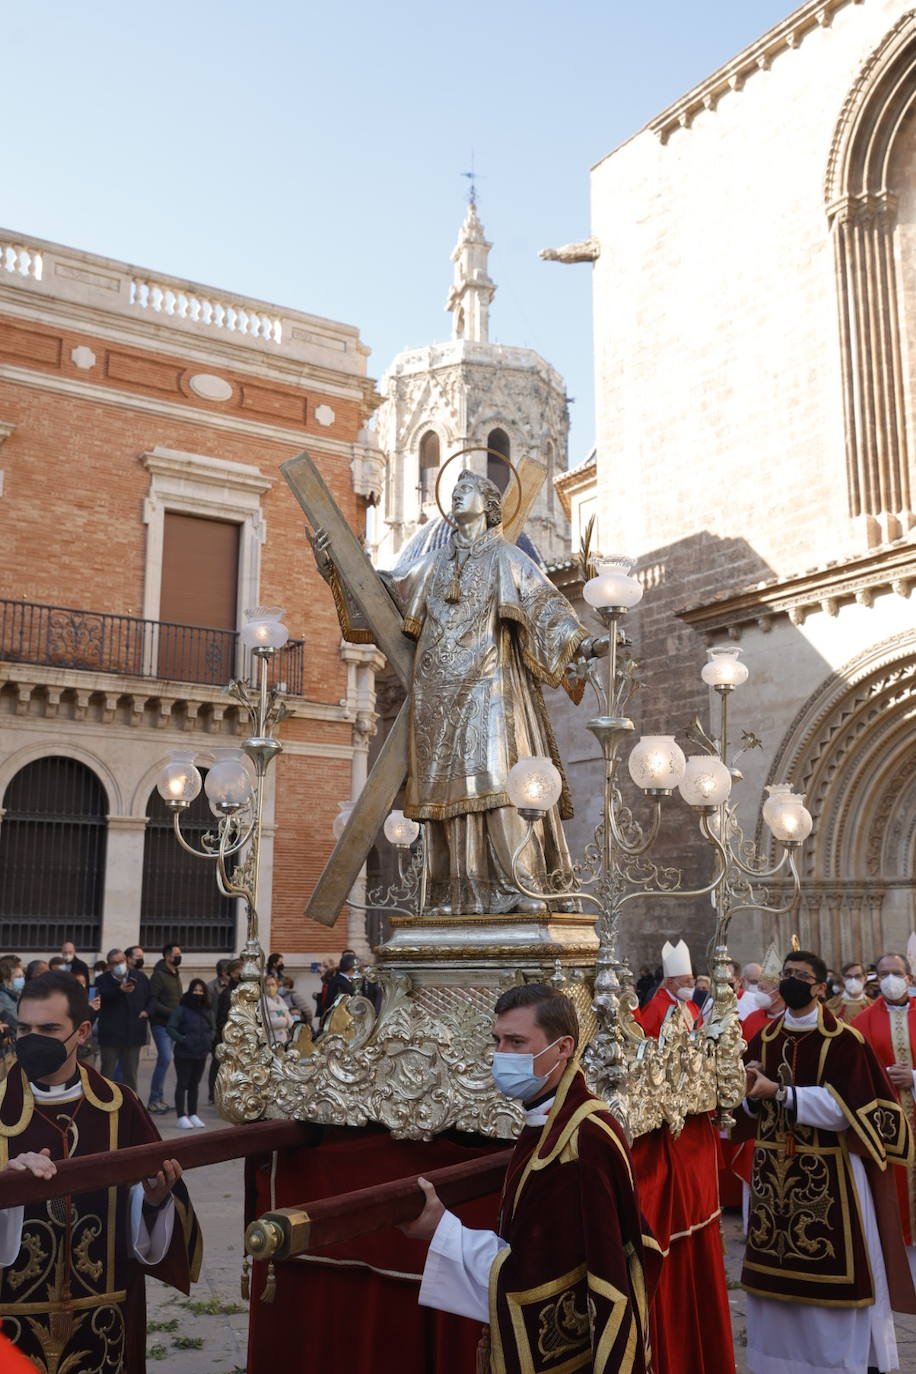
(200, 568)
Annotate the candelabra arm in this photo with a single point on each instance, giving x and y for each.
(547, 896)
(788, 907)
(189, 848)
(676, 891)
(760, 872)
(634, 851)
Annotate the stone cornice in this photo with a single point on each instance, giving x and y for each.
(783, 37)
(566, 484)
(216, 354)
(193, 415)
(888, 569)
(191, 466)
(459, 352)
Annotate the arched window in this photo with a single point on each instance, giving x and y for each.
(52, 856)
(498, 471)
(429, 466)
(179, 899)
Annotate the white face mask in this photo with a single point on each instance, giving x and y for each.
(764, 1001)
(684, 994)
(893, 986)
(119, 970)
(854, 986)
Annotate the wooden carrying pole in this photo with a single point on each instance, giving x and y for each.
(130, 1165)
(291, 1231)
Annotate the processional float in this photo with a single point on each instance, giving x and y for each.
(419, 1065)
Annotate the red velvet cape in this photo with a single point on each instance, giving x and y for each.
(572, 1288)
(74, 1299)
(805, 1237)
(875, 1025)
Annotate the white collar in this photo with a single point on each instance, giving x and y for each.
(897, 1006)
(58, 1092)
(805, 1022)
(537, 1116)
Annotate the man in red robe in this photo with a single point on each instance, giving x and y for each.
(567, 1278)
(889, 1026)
(825, 1263)
(674, 992)
(72, 1268)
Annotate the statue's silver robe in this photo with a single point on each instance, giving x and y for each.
(476, 705)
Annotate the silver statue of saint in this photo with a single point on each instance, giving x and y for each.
(490, 630)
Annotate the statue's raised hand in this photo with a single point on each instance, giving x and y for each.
(321, 548)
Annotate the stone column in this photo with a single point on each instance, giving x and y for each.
(123, 882)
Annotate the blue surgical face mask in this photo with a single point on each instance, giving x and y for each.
(514, 1074)
(18, 982)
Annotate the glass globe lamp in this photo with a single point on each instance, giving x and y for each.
(657, 763)
(179, 780)
(228, 783)
(706, 781)
(786, 815)
(613, 587)
(724, 668)
(400, 830)
(534, 784)
(264, 629)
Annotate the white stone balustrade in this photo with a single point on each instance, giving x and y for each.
(17, 258)
(205, 310)
(96, 283)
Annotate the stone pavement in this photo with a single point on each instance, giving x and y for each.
(207, 1333)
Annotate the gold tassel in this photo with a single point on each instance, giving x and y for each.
(270, 1284)
(246, 1279)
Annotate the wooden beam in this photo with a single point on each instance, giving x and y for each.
(310, 1226)
(353, 566)
(130, 1165)
(366, 819)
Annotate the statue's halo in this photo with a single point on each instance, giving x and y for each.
(481, 448)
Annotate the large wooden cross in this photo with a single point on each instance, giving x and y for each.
(357, 574)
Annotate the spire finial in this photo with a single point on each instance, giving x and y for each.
(473, 178)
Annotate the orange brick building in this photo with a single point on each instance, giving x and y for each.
(142, 423)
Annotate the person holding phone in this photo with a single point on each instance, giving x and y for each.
(123, 1021)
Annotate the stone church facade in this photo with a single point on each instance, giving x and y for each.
(755, 324)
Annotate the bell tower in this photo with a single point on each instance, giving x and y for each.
(468, 391)
(472, 290)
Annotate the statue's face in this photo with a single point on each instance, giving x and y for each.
(467, 499)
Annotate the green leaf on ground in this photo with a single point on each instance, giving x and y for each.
(212, 1307)
(171, 1325)
(157, 1352)
(188, 1342)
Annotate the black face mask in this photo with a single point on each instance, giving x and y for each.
(278, 970)
(41, 1055)
(198, 996)
(138, 963)
(176, 960)
(795, 992)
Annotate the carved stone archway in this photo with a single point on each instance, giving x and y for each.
(861, 191)
(852, 751)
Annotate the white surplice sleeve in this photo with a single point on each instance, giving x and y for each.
(147, 1246)
(10, 1234)
(818, 1107)
(456, 1277)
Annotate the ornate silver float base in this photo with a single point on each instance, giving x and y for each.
(422, 1066)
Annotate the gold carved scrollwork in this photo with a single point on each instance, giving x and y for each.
(422, 1065)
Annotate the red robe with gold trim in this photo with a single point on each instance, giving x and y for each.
(651, 1017)
(896, 1044)
(74, 1299)
(805, 1237)
(571, 1291)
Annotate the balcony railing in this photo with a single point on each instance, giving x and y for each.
(63, 637)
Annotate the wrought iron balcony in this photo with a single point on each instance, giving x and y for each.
(95, 642)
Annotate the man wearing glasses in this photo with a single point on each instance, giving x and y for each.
(825, 1265)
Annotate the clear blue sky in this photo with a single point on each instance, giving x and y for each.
(310, 154)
